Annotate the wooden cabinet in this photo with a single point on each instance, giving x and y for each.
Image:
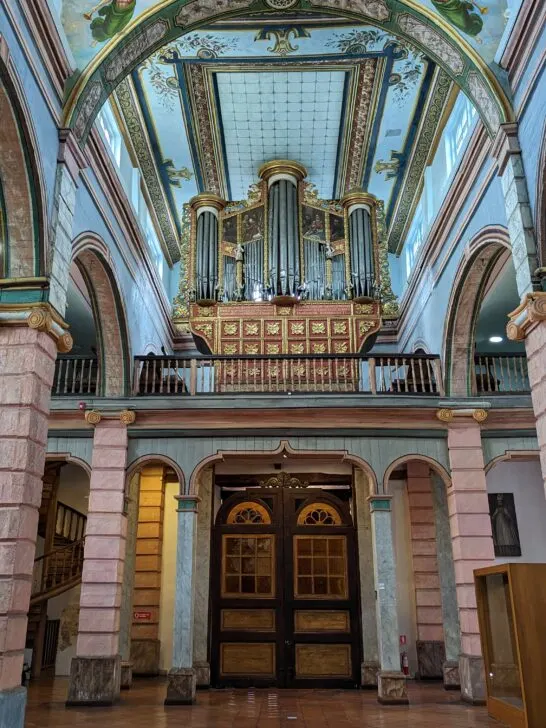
(512, 613)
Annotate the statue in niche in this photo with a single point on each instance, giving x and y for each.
(463, 14)
(114, 16)
(504, 524)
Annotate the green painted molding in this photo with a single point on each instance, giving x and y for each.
(380, 503)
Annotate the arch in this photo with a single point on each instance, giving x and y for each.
(284, 449)
(512, 455)
(152, 458)
(434, 464)
(170, 19)
(91, 256)
(481, 255)
(540, 214)
(66, 457)
(23, 244)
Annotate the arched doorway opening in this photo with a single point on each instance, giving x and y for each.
(426, 597)
(55, 596)
(99, 363)
(478, 358)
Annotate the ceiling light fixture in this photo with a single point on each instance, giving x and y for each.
(495, 339)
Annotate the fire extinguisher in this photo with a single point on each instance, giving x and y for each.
(405, 663)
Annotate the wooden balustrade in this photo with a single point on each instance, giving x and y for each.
(69, 523)
(57, 571)
(76, 375)
(350, 374)
(501, 374)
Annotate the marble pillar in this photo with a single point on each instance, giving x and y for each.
(391, 681)
(182, 681)
(428, 600)
(471, 538)
(95, 676)
(446, 573)
(528, 323)
(27, 364)
(202, 581)
(126, 611)
(370, 664)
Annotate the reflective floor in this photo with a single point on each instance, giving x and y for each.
(142, 707)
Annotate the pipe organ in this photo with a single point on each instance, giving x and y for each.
(284, 255)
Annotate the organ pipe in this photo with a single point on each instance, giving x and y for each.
(206, 208)
(362, 224)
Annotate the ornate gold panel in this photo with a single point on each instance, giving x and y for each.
(316, 661)
(247, 659)
(325, 620)
(248, 620)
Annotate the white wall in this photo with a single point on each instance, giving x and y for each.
(168, 577)
(405, 592)
(524, 480)
(74, 488)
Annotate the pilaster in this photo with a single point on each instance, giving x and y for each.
(96, 670)
(392, 687)
(471, 537)
(182, 680)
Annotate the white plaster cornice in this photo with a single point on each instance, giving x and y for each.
(529, 25)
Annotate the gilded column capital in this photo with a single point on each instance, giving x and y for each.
(448, 415)
(127, 417)
(40, 316)
(93, 417)
(531, 311)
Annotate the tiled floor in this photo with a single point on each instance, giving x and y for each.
(430, 707)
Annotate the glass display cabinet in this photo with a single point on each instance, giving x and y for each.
(511, 609)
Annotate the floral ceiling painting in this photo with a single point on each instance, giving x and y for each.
(90, 25)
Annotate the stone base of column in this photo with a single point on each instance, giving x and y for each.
(94, 681)
(452, 680)
(472, 674)
(202, 674)
(392, 688)
(12, 707)
(368, 674)
(181, 687)
(126, 675)
(145, 657)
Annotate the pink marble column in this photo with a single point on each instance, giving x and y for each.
(472, 540)
(528, 323)
(27, 364)
(428, 598)
(96, 670)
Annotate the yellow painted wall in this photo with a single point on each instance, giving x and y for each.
(168, 577)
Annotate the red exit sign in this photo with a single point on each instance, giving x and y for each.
(142, 616)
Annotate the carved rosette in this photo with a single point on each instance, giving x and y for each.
(445, 415)
(127, 417)
(93, 417)
(448, 415)
(531, 311)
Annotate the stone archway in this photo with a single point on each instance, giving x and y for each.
(23, 224)
(482, 255)
(171, 19)
(540, 213)
(92, 258)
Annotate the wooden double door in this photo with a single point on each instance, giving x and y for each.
(284, 591)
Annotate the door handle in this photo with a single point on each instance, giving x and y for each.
(288, 643)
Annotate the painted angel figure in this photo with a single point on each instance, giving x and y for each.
(114, 16)
(463, 14)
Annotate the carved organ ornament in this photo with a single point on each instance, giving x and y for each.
(284, 246)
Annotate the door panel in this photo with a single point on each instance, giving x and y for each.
(284, 610)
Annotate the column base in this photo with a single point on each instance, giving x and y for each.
(202, 674)
(94, 681)
(472, 673)
(12, 707)
(452, 680)
(392, 688)
(368, 674)
(181, 687)
(126, 682)
(145, 657)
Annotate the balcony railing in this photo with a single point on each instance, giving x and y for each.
(348, 374)
(76, 375)
(501, 374)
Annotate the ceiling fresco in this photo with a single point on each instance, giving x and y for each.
(348, 102)
(91, 24)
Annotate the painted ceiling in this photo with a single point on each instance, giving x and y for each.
(91, 24)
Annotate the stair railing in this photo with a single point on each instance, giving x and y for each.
(57, 571)
(70, 523)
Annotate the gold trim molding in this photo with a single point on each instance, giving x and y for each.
(282, 166)
(531, 311)
(40, 317)
(207, 199)
(448, 415)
